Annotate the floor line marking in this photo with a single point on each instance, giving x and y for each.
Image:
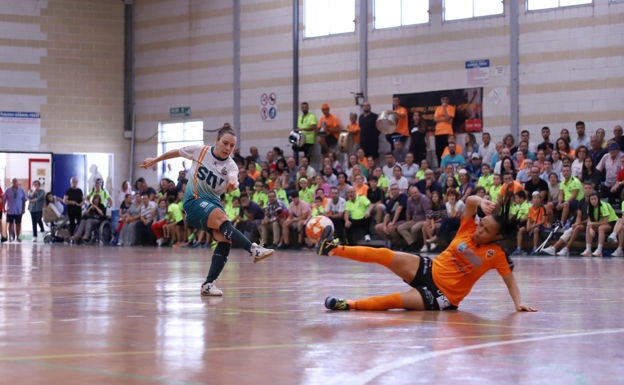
(370, 374)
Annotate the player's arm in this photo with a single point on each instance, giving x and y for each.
(574, 195)
(473, 202)
(514, 292)
(149, 162)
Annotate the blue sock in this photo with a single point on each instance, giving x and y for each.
(231, 234)
(219, 258)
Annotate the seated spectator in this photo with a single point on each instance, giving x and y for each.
(449, 170)
(486, 180)
(390, 163)
(520, 210)
(317, 207)
(424, 166)
(265, 176)
(272, 179)
(370, 165)
(244, 180)
(435, 215)
(395, 216)
(143, 188)
(509, 185)
(458, 148)
(160, 220)
(526, 137)
(281, 193)
(535, 223)
(356, 171)
(319, 182)
(480, 192)
(383, 181)
(499, 160)
(334, 210)
(553, 187)
(601, 220)
(497, 154)
(523, 174)
(335, 164)
(52, 209)
(273, 219)
(305, 193)
(570, 192)
(174, 220)
(399, 151)
(536, 184)
(181, 179)
(547, 170)
(319, 192)
(618, 232)
(329, 177)
(260, 197)
(409, 168)
(342, 185)
(329, 130)
(280, 165)
(539, 163)
(597, 150)
(352, 164)
(360, 187)
(91, 219)
(611, 164)
(361, 159)
(452, 158)
(143, 234)
(509, 142)
(104, 196)
(250, 216)
(454, 210)
(399, 179)
(474, 166)
(301, 175)
(507, 167)
(428, 184)
(497, 186)
(555, 160)
(546, 145)
(417, 206)
(298, 214)
(590, 174)
(466, 187)
(471, 147)
(376, 197)
(523, 147)
(252, 170)
(563, 147)
(581, 139)
(577, 164)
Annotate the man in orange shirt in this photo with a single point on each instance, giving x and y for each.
(329, 129)
(442, 283)
(509, 184)
(402, 130)
(458, 148)
(443, 117)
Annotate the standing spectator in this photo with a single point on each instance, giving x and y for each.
(354, 129)
(74, 199)
(329, 129)
(402, 131)
(453, 158)
(36, 198)
(395, 216)
(334, 210)
(443, 117)
(617, 136)
(487, 149)
(2, 237)
(526, 137)
(93, 216)
(409, 168)
(369, 135)
(417, 206)
(166, 175)
(356, 216)
(581, 139)
(546, 144)
(98, 190)
(143, 231)
(596, 152)
(418, 138)
(306, 123)
(14, 199)
(471, 146)
(611, 165)
(272, 219)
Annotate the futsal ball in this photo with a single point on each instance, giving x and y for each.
(315, 226)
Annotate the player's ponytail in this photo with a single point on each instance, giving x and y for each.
(507, 223)
(226, 129)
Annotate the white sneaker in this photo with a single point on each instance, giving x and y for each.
(258, 252)
(424, 249)
(612, 238)
(618, 252)
(367, 238)
(211, 290)
(432, 246)
(563, 252)
(586, 253)
(597, 253)
(159, 242)
(550, 250)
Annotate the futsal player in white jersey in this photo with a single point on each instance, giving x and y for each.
(212, 174)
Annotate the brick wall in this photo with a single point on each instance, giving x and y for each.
(64, 58)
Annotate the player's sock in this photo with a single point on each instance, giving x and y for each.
(385, 302)
(219, 258)
(230, 233)
(365, 254)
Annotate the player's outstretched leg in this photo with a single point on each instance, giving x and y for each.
(411, 300)
(219, 220)
(329, 246)
(219, 258)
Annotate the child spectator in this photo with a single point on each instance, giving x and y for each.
(520, 209)
(535, 222)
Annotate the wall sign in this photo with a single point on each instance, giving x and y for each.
(20, 131)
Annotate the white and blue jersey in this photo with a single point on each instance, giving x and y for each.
(207, 181)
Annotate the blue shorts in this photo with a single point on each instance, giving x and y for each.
(198, 210)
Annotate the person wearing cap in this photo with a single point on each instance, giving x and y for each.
(402, 130)
(474, 167)
(306, 123)
(329, 130)
(443, 117)
(611, 165)
(617, 136)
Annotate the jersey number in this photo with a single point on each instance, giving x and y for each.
(211, 179)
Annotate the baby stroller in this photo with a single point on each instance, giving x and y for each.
(59, 231)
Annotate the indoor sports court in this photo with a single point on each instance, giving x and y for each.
(311, 192)
(129, 316)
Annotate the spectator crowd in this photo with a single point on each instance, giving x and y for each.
(411, 198)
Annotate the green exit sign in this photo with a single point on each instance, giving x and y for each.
(179, 112)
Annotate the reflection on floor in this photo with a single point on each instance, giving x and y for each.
(102, 315)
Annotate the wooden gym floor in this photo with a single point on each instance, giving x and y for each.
(106, 315)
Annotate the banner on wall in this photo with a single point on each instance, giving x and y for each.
(20, 131)
(468, 103)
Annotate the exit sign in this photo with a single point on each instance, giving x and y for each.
(179, 112)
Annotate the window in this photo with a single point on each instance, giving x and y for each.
(172, 136)
(395, 13)
(325, 17)
(533, 5)
(465, 9)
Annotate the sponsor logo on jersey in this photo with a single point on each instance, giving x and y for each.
(490, 253)
(209, 177)
(224, 171)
